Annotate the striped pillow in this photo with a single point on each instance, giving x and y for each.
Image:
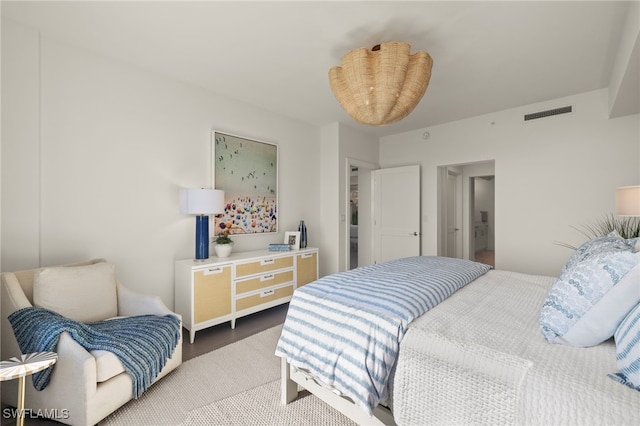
(627, 339)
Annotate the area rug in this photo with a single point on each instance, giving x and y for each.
(238, 384)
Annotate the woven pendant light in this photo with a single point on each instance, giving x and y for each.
(382, 85)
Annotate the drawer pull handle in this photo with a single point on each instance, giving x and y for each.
(267, 277)
(267, 262)
(211, 271)
(267, 293)
(307, 255)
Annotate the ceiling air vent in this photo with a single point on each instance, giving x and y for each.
(547, 113)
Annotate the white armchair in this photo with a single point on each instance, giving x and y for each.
(85, 386)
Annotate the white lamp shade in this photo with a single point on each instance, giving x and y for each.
(201, 201)
(628, 201)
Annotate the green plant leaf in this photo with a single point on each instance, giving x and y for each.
(626, 227)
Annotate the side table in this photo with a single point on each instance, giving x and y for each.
(21, 367)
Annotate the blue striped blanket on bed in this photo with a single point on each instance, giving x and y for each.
(142, 343)
(345, 329)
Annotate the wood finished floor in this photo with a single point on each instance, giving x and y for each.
(220, 335)
(205, 341)
(486, 256)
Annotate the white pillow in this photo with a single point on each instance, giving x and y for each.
(82, 293)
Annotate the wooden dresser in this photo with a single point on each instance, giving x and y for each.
(223, 289)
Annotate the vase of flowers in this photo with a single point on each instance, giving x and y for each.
(223, 245)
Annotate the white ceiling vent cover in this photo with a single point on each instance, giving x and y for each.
(548, 113)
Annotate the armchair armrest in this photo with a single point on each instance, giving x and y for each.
(75, 371)
(13, 299)
(132, 303)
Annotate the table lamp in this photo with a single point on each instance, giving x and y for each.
(628, 201)
(202, 202)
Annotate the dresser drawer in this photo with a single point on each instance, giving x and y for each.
(263, 265)
(263, 281)
(211, 293)
(307, 268)
(264, 297)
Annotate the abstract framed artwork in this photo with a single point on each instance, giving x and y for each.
(247, 171)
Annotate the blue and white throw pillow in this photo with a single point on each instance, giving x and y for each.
(611, 242)
(627, 339)
(584, 306)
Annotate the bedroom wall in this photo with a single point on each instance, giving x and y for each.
(20, 124)
(95, 151)
(329, 201)
(551, 173)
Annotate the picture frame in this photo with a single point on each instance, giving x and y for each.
(247, 171)
(293, 239)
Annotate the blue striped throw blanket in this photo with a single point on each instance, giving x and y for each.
(345, 329)
(142, 343)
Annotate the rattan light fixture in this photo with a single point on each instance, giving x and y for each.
(382, 85)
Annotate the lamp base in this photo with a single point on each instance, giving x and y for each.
(202, 238)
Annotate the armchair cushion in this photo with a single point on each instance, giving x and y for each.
(82, 293)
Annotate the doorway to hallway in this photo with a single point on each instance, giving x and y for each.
(358, 214)
(466, 211)
(482, 193)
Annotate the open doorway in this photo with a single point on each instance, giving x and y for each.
(484, 218)
(358, 214)
(353, 218)
(466, 211)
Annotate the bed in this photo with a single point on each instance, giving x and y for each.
(476, 356)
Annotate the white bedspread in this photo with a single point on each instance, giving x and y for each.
(480, 358)
(345, 329)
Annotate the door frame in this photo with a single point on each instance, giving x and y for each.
(459, 206)
(467, 170)
(354, 162)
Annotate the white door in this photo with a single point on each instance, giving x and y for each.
(396, 213)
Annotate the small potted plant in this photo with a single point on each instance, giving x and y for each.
(223, 245)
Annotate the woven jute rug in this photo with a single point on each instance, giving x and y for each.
(238, 384)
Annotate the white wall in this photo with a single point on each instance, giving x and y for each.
(329, 197)
(20, 159)
(551, 173)
(92, 167)
(623, 83)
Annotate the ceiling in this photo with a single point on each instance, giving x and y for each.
(488, 56)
